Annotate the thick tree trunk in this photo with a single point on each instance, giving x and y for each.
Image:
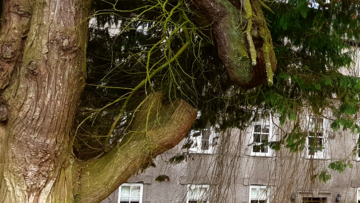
(42, 74)
(42, 61)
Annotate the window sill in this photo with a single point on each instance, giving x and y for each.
(205, 153)
(261, 155)
(308, 158)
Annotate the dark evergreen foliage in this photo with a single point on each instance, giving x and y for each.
(311, 40)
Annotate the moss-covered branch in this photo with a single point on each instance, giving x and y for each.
(243, 39)
(155, 129)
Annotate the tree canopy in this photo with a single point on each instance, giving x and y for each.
(139, 47)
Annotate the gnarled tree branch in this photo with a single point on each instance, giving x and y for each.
(156, 128)
(241, 34)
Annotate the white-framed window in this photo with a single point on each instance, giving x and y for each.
(316, 141)
(203, 141)
(258, 194)
(130, 193)
(358, 195)
(261, 132)
(197, 194)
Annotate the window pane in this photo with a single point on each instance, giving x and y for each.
(197, 194)
(319, 123)
(265, 129)
(202, 193)
(125, 191)
(312, 145)
(203, 190)
(319, 135)
(316, 124)
(124, 199)
(257, 128)
(191, 201)
(319, 144)
(312, 141)
(262, 194)
(205, 145)
(134, 198)
(257, 138)
(315, 144)
(311, 150)
(256, 148)
(312, 123)
(258, 194)
(192, 193)
(264, 138)
(135, 191)
(264, 149)
(254, 193)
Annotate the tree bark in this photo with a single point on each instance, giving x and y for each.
(243, 39)
(42, 74)
(156, 128)
(43, 46)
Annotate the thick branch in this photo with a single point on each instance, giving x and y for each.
(155, 129)
(236, 49)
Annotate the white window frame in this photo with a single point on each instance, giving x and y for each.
(357, 149)
(191, 187)
(259, 187)
(198, 141)
(318, 154)
(270, 138)
(131, 185)
(357, 195)
(357, 61)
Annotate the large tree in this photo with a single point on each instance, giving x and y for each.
(43, 72)
(143, 78)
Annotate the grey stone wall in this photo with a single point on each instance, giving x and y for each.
(284, 173)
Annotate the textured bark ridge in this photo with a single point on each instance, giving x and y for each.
(243, 39)
(42, 63)
(42, 74)
(42, 68)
